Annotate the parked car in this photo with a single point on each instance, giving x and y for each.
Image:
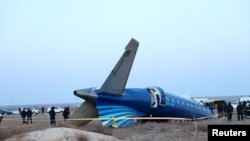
(34, 111)
(15, 112)
(56, 108)
(5, 112)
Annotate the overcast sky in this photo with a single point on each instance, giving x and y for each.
(49, 48)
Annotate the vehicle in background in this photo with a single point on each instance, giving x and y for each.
(234, 104)
(213, 105)
(5, 112)
(15, 112)
(245, 98)
(34, 111)
(201, 101)
(56, 108)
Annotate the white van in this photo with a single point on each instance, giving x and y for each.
(244, 98)
(56, 108)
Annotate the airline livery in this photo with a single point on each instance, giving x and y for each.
(113, 102)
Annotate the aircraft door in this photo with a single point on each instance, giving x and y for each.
(158, 97)
(163, 99)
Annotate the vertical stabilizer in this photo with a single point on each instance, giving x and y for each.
(117, 79)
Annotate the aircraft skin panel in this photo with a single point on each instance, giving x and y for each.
(132, 97)
(109, 112)
(182, 107)
(117, 79)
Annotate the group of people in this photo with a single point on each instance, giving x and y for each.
(52, 114)
(26, 115)
(228, 110)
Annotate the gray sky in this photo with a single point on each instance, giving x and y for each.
(49, 48)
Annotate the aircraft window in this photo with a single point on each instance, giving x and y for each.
(173, 100)
(178, 101)
(187, 104)
(191, 105)
(200, 108)
(183, 103)
(196, 107)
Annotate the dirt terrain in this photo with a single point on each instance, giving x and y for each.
(12, 128)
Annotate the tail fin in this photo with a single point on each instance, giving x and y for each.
(117, 79)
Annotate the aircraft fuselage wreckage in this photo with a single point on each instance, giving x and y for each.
(115, 102)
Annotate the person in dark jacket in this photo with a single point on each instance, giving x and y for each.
(240, 111)
(1, 117)
(23, 115)
(220, 110)
(19, 110)
(230, 110)
(65, 113)
(52, 114)
(68, 111)
(29, 116)
(42, 110)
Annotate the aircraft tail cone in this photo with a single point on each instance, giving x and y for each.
(87, 94)
(84, 114)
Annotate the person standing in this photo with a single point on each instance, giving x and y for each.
(19, 110)
(229, 110)
(240, 111)
(1, 117)
(68, 111)
(52, 114)
(65, 113)
(220, 110)
(23, 115)
(29, 116)
(42, 110)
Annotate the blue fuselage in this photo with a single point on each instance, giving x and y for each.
(140, 100)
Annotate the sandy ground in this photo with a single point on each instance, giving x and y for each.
(61, 134)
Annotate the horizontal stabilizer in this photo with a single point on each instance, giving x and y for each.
(86, 110)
